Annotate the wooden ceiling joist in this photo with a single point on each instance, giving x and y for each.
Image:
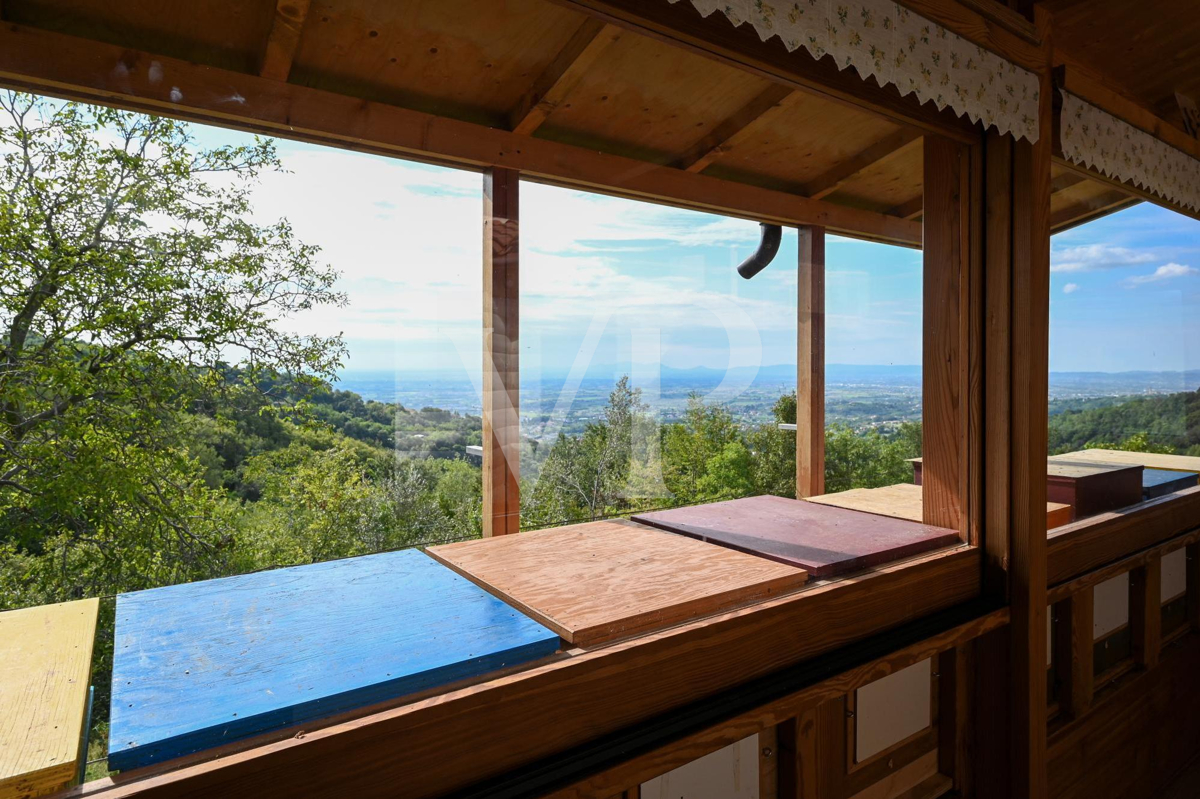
(832, 180)
(66, 66)
(1065, 181)
(283, 39)
(561, 76)
(711, 146)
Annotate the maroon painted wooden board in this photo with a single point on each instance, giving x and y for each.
(825, 540)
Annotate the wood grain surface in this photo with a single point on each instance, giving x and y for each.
(597, 581)
(207, 663)
(1151, 460)
(903, 501)
(45, 664)
(824, 540)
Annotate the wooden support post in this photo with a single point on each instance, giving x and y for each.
(797, 742)
(1193, 585)
(955, 673)
(810, 364)
(501, 372)
(1030, 372)
(944, 360)
(1145, 612)
(1073, 652)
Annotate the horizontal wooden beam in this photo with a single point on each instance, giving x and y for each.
(1128, 563)
(1083, 546)
(708, 149)
(827, 183)
(1093, 208)
(65, 66)
(717, 38)
(1066, 181)
(284, 39)
(912, 209)
(562, 75)
(660, 761)
(1081, 82)
(988, 24)
(548, 709)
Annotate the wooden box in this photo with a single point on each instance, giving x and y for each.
(824, 540)
(1091, 488)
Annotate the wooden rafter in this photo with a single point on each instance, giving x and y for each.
(1088, 210)
(562, 75)
(1066, 181)
(825, 184)
(708, 149)
(910, 209)
(67, 66)
(284, 39)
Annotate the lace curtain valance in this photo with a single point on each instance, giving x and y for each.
(1096, 139)
(893, 44)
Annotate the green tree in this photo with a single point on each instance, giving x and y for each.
(130, 270)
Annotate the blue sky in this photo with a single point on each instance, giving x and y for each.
(629, 283)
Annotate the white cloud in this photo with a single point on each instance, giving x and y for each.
(1070, 288)
(1095, 257)
(1164, 272)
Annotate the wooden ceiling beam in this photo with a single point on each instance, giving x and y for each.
(716, 38)
(66, 66)
(909, 210)
(989, 25)
(708, 149)
(284, 39)
(832, 180)
(1066, 181)
(1095, 208)
(591, 39)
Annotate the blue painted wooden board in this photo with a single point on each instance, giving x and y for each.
(204, 664)
(1160, 482)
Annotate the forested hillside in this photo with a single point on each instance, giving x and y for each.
(1167, 423)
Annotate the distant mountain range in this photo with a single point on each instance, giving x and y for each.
(455, 390)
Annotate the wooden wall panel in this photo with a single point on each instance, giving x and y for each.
(501, 352)
(810, 364)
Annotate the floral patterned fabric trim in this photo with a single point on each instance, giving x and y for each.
(887, 41)
(1097, 139)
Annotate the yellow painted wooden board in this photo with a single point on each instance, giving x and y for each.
(1151, 460)
(45, 665)
(903, 501)
(598, 581)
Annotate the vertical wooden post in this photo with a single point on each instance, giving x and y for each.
(810, 364)
(1073, 653)
(955, 669)
(945, 329)
(1145, 613)
(501, 369)
(1193, 585)
(797, 769)
(1030, 371)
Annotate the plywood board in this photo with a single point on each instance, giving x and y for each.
(602, 580)
(728, 773)
(824, 540)
(1151, 460)
(45, 664)
(207, 663)
(903, 501)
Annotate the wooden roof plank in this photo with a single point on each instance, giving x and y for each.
(832, 180)
(284, 38)
(909, 210)
(67, 66)
(554, 84)
(711, 146)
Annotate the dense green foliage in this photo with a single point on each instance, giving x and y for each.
(1166, 423)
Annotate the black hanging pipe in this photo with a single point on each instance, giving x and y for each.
(767, 249)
